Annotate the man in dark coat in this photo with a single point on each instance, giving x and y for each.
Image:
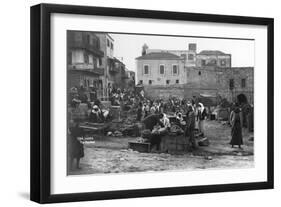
(236, 129)
(152, 120)
(149, 123)
(139, 111)
(75, 147)
(190, 126)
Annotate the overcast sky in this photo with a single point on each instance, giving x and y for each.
(130, 46)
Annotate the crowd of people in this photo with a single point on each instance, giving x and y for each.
(154, 116)
(158, 123)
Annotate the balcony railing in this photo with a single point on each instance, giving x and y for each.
(124, 75)
(114, 69)
(84, 45)
(86, 68)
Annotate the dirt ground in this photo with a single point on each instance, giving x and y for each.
(111, 154)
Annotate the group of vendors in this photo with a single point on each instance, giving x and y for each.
(159, 125)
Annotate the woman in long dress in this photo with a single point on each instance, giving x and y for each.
(76, 148)
(236, 130)
(201, 116)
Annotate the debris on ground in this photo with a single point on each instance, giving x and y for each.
(130, 130)
(224, 122)
(239, 154)
(139, 146)
(204, 142)
(117, 134)
(208, 157)
(112, 154)
(126, 126)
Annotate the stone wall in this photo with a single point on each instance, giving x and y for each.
(237, 74)
(114, 78)
(102, 38)
(78, 78)
(164, 92)
(214, 60)
(212, 81)
(181, 91)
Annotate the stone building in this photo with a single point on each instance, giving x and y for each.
(84, 56)
(188, 56)
(117, 77)
(228, 83)
(107, 46)
(131, 75)
(91, 63)
(213, 58)
(207, 73)
(114, 72)
(160, 68)
(236, 84)
(129, 79)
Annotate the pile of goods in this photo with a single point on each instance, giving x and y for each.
(130, 130)
(114, 134)
(176, 130)
(203, 142)
(146, 134)
(117, 134)
(141, 140)
(126, 127)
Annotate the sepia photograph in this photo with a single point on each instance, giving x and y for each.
(146, 103)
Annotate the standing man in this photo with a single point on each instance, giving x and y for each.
(75, 147)
(236, 127)
(139, 111)
(201, 116)
(190, 126)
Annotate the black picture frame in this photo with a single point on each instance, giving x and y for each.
(41, 102)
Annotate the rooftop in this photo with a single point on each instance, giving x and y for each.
(211, 52)
(159, 56)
